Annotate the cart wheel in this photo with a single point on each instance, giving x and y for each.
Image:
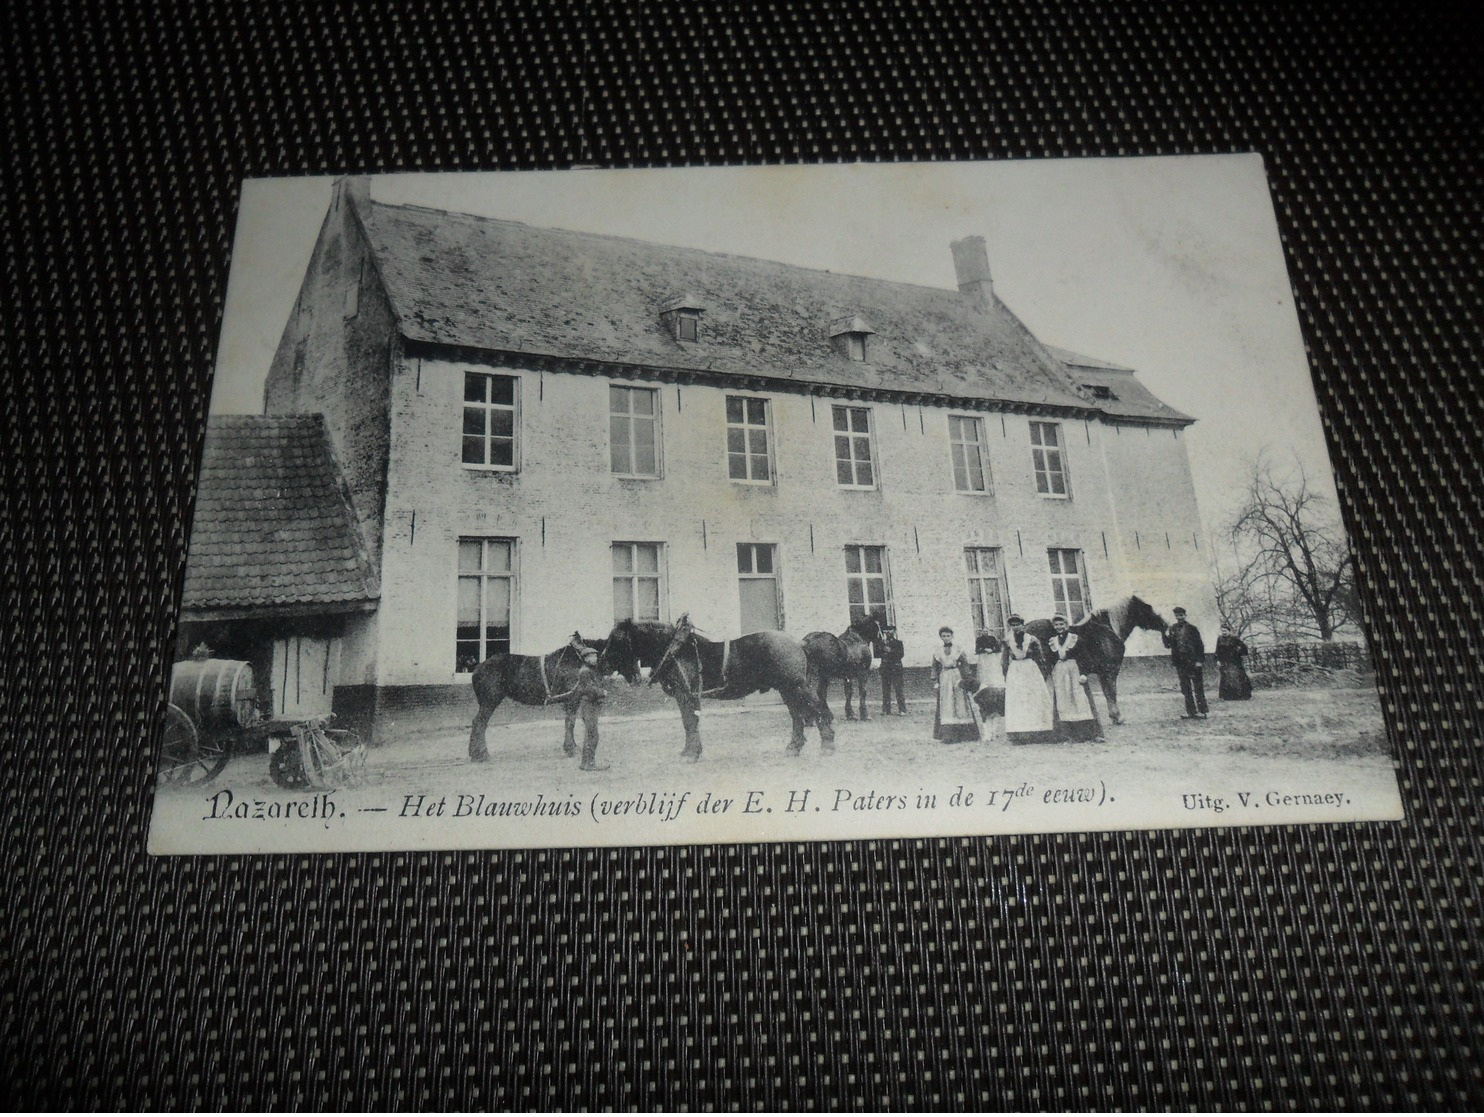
(178, 749)
(184, 757)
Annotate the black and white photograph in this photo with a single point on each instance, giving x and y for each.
(734, 505)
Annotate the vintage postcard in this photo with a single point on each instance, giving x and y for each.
(753, 505)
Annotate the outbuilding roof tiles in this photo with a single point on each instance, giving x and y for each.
(274, 525)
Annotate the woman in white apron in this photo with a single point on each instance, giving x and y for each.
(1028, 705)
(957, 718)
(1076, 720)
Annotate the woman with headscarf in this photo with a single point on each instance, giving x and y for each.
(957, 718)
(1076, 719)
(1028, 704)
(1230, 651)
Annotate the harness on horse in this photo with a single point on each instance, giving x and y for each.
(685, 633)
(575, 646)
(545, 683)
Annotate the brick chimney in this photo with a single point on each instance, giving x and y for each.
(356, 189)
(971, 263)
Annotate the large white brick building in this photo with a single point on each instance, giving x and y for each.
(543, 431)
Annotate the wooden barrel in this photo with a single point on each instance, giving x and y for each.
(216, 693)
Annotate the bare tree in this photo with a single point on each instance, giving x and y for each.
(1238, 606)
(1293, 569)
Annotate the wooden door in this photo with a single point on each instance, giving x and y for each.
(304, 673)
(757, 582)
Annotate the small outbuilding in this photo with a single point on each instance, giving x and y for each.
(278, 573)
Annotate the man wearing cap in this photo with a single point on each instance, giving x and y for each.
(589, 693)
(1188, 653)
(890, 651)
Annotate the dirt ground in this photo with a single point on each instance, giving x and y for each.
(1285, 756)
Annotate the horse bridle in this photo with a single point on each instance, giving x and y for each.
(685, 631)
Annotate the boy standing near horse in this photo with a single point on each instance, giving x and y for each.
(589, 693)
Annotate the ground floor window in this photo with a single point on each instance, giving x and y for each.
(1069, 584)
(757, 583)
(638, 581)
(868, 582)
(989, 594)
(486, 593)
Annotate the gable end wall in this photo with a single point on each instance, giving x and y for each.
(339, 365)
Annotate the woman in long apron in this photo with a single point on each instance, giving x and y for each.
(957, 718)
(1076, 719)
(1028, 705)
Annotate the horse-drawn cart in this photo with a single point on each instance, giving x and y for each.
(213, 704)
(213, 714)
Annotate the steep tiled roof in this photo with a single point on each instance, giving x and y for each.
(1115, 390)
(274, 528)
(501, 285)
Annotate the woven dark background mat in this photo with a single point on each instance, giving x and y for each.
(1307, 966)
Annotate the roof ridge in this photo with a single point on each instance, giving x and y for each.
(496, 284)
(653, 244)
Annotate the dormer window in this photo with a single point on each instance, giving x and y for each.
(849, 337)
(682, 318)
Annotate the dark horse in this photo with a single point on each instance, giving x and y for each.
(690, 667)
(534, 680)
(1100, 638)
(846, 657)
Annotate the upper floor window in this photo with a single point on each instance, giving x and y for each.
(748, 454)
(634, 431)
(490, 404)
(1069, 584)
(970, 466)
(1049, 460)
(638, 581)
(854, 462)
(687, 326)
